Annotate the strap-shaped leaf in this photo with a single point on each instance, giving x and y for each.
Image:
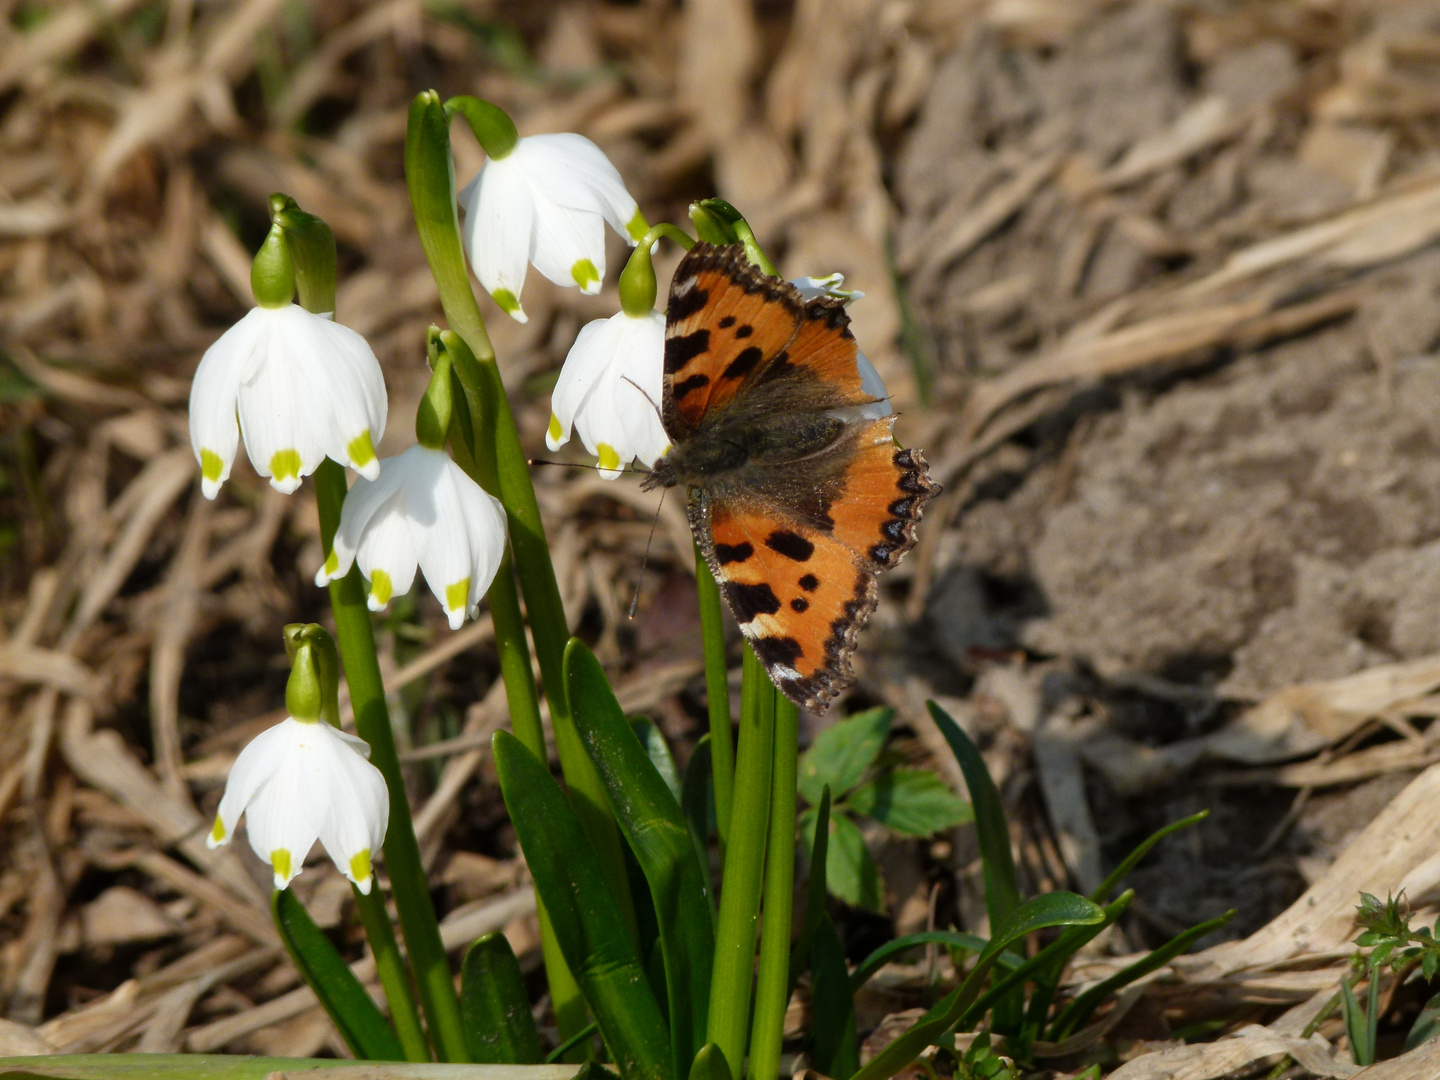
(358, 1019)
(709, 1064)
(1038, 913)
(836, 1051)
(697, 802)
(657, 832)
(499, 1027)
(583, 914)
(1002, 890)
(658, 753)
(815, 890)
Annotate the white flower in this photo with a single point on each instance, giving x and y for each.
(304, 387)
(302, 781)
(545, 202)
(421, 511)
(870, 380)
(609, 391)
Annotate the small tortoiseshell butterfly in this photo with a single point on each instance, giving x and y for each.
(797, 498)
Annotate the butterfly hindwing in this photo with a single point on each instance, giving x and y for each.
(797, 593)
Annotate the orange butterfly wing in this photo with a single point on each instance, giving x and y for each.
(801, 590)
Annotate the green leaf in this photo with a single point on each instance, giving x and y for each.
(1356, 1026)
(583, 913)
(697, 803)
(850, 873)
(815, 889)
(1130, 861)
(1426, 1026)
(836, 1051)
(1002, 891)
(499, 1027)
(1078, 1011)
(709, 1064)
(915, 802)
(1038, 913)
(658, 753)
(650, 818)
(357, 1018)
(954, 939)
(841, 753)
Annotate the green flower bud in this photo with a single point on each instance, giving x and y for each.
(272, 274)
(493, 128)
(432, 418)
(313, 690)
(312, 250)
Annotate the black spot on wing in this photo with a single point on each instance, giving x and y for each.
(694, 382)
(744, 331)
(685, 304)
(792, 545)
(894, 530)
(744, 363)
(809, 583)
(748, 601)
(777, 651)
(731, 553)
(679, 351)
(799, 604)
(727, 322)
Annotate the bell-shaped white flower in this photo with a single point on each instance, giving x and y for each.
(420, 511)
(870, 380)
(545, 202)
(609, 391)
(301, 781)
(304, 388)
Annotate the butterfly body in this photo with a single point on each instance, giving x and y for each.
(798, 495)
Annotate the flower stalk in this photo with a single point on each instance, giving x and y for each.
(430, 177)
(356, 640)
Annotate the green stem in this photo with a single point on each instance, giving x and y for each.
(356, 639)
(717, 692)
(429, 175)
(390, 966)
(738, 924)
(772, 992)
(517, 674)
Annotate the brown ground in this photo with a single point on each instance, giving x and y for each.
(1153, 284)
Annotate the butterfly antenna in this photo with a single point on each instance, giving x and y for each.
(625, 471)
(646, 396)
(645, 560)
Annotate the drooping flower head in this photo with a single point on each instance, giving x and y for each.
(422, 511)
(302, 386)
(305, 779)
(541, 199)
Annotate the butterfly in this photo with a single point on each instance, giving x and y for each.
(798, 495)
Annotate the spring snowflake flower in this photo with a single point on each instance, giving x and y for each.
(545, 202)
(609, 391)
(304, 388)
(301, 781)
(420, 511)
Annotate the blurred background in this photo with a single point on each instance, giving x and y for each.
(1153, 285)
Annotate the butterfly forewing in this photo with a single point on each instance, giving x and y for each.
(726, 322)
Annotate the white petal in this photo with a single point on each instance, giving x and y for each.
(277, 409)
(498, 222)
(357, 805)
(568, 245)
(618, 419)
(572, 171)
(285, 813)
(485, 520)
(587, 363)
(213, 428)
(387, 547)
(364, 498)
(352, 406)
(874, 385)
(260, 758)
